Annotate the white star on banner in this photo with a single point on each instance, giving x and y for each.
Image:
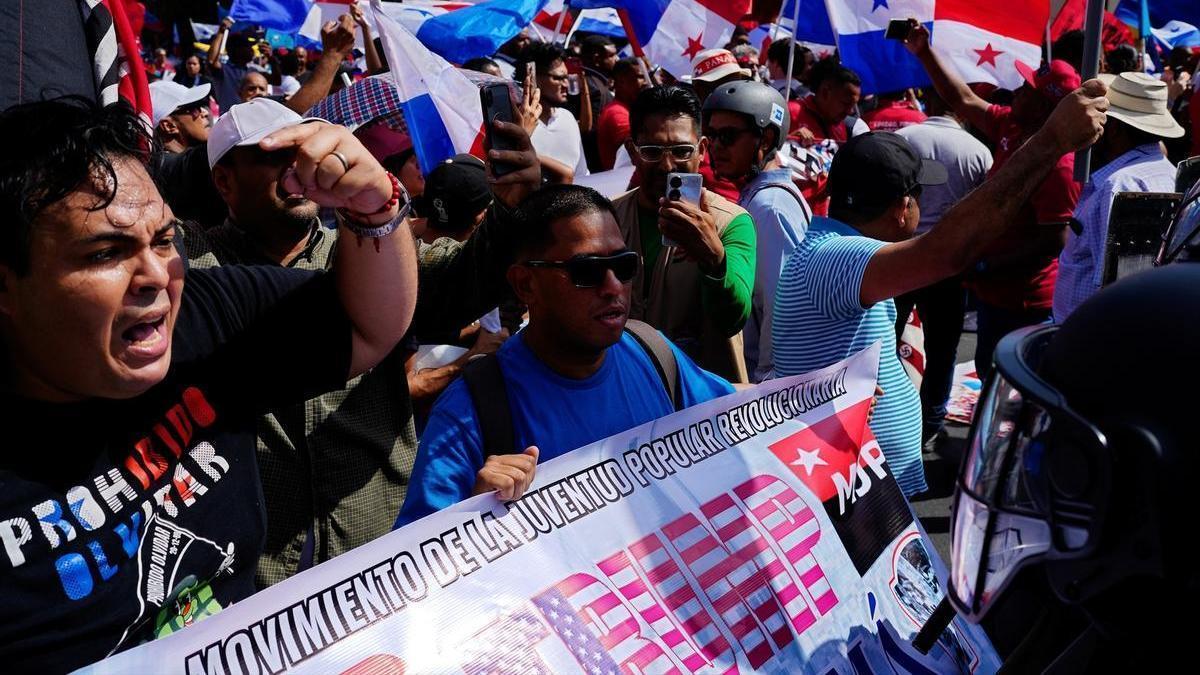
(809, 459)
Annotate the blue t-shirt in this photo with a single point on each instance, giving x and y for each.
(558, 414)
(820, 320)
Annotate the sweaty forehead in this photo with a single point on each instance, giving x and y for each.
(135, 203)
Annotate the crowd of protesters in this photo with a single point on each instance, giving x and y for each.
(330, 368)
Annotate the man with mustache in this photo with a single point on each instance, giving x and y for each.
(573, 376)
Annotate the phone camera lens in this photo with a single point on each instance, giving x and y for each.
(676, 181)
(674, 195)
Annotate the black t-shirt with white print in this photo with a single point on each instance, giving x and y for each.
(123, 521)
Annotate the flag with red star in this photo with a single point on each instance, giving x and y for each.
(672, 32)
(983, 43)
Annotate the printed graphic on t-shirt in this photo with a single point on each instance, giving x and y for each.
(122, 532)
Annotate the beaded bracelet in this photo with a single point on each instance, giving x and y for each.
(397, 188)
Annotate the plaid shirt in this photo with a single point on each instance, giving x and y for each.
(338, 465)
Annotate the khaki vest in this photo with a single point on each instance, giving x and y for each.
(673, 304)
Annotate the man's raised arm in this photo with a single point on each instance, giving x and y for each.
(376, 265)
(965, 103)
(966, 230)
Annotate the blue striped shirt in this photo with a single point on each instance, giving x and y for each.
(819, 320)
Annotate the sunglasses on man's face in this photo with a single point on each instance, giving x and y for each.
(590, 271)
(654, 153)
(726, 136)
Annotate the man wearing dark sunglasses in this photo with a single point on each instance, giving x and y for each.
(1076, 496)
(696, 290)
(571, 377)
(746, 124)
(835, 295)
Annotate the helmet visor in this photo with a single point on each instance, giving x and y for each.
(1008, 512)
(988, 548)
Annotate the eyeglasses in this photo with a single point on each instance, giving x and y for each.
(654, 153)
(726, 136)
(590, 271)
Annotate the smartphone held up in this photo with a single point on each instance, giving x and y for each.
(683, 187)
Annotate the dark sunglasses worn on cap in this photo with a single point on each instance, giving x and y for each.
(654, 153)
(589, 271)
(726, 136)
(1020, 496)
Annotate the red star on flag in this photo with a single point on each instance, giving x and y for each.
(987, 55)
(695, 46)
(827, 447)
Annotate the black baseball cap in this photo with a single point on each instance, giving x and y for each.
(875, 169)
(455, 192)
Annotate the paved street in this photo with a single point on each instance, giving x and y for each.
(933, 508)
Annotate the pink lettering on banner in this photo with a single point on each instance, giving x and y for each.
(668, 604)
(750, 556)
(794, 528)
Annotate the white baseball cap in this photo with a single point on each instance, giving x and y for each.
(247, 124)
(167, 97)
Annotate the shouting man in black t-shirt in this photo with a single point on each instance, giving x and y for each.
(130, 504)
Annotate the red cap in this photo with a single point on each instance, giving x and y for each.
(1054, 80)
(382, 141)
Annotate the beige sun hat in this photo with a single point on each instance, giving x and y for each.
(1139, 100)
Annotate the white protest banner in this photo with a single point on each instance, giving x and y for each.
(758, 532)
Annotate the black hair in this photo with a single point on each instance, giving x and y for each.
(594, 44)
(857, 215)
(832, 70)
(541, 54)
(779, 50)
(671, 101)
(539, 211)
(53, 148)
(289, 64)
(1121, 59)
(626, 65)
(1069, 47)
(479, 63)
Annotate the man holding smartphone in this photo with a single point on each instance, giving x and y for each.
(698, 258)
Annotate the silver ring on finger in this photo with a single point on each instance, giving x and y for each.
(341, 158)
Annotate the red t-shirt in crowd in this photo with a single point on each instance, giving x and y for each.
(611, 131)
(893, 115)
(1030, 285)
(815, 193)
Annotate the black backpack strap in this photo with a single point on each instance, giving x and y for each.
(485, 384)
(661, 355)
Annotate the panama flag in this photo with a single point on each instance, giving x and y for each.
(984, 41)
(441, 106)
(981, 41)
(884, 65)
(673, 32)
(601, 21)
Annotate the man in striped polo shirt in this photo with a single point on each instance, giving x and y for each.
(835, 295)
